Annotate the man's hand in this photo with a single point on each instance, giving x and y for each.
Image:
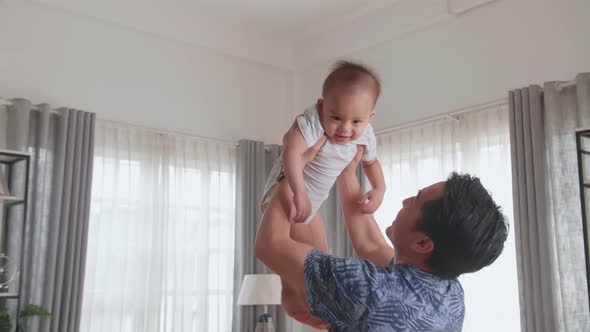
(302, 207)
(351, 167)
(312, 151)
(300, 198)
(370, 202)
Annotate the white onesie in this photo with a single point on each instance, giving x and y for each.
(320, 174)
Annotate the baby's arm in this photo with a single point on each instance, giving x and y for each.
(372, 200)
(294, 159)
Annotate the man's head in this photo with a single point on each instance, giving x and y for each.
(348, 101)
(454, 227)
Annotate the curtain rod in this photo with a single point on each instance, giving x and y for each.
(448, 115)
(452, 115)
(7, 102)
(170, 132)
(566, 84)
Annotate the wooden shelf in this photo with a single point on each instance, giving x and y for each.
(10, 156)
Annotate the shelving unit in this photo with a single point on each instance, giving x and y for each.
(14, 216)
(583, 149)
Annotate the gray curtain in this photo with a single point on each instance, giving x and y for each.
(254, 162)
(547, 209)
(61, 145)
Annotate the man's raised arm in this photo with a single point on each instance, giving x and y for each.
(366, 237)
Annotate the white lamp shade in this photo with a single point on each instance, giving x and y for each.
(260, 289)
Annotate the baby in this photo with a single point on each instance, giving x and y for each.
(343, 116)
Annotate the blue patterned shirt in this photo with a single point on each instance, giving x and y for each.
(356, 295)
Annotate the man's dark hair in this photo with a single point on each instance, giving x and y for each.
(348, 74)
(467, 227)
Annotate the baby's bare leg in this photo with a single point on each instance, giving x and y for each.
(312, 233)
(293, 300)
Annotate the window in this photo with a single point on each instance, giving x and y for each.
(161, 237)
(477, 143)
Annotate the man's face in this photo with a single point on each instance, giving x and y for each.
(403, 232)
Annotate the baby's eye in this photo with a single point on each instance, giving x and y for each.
(337, 118)
(356, 121)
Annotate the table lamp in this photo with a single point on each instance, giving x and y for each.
(261, 289)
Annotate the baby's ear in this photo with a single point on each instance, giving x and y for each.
(371, 116)
(319, 104)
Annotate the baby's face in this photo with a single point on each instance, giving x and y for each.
(346, 115)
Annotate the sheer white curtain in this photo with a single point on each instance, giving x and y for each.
(161, 237)
(477, 143)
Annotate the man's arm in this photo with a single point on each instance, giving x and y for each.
(366, 237)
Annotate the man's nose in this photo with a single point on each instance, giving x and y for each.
(405, 201)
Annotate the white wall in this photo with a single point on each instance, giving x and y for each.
(469, 59)
(130, 76)
(141, 78)
(49, 55)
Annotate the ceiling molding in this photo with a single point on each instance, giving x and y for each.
(386, 24)
(460, 7)
(231, 41)
(375, 28)
(341, 36)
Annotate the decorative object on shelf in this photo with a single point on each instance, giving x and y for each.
(4, 191)
(8, 271)
(5, 323)
(30, 310)
(261, 289)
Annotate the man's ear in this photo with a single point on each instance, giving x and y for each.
(424, 245)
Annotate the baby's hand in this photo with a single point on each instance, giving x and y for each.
(370, 202)
(302, 207)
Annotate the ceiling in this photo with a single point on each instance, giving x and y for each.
(280, 17)
(268, 17)
(269, 31)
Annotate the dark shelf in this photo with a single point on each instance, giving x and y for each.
(9, 296)
(10, 161)
(11, 157)
(11, 200)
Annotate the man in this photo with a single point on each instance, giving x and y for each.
(447, 229)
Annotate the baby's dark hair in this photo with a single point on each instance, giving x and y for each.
(467, 227)
(346, 74)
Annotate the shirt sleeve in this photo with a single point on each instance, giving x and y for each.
(310, 126)
(370, 152)
(341, 291)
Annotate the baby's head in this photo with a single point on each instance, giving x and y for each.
(348, 101)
